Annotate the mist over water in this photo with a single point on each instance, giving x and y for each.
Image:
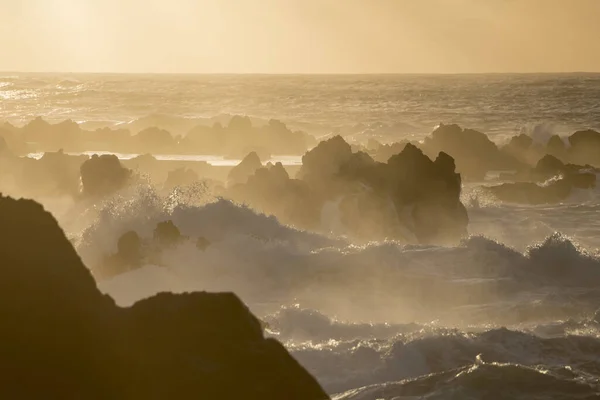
(510, 311)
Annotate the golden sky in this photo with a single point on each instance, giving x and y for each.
(300, 36)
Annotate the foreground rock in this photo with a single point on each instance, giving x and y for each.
(62, 338)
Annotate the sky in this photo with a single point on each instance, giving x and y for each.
(300, 36)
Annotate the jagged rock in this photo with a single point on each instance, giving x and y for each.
(247, 167)
(62, 338)
(103, 175)
(385, 151)
(409, 192)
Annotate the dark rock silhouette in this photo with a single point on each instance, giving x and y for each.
(474, 153)
(54, 174)
(103, 175)
(62, 338)
(154, 140)
(372, 200)
(166, 234)
(270, 190)
(585, 147)
(129, 256)
(247, 167)
(549, 167)
(529, 191)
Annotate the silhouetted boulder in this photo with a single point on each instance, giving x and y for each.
(61, 338)
(129, 256)
(166, 234)
(321, 165)
(385, 151)
(154, 140)
(409, 193)
(474, 153)
(103, 175)
(585, 147)
(432, 190)
(270, 190)
(549, 166)
(246, 168)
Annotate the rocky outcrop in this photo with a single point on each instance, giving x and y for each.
(103, 175)
(62, 338)
(270, 190)
(410, 198)
(246, 168)
(562, 179)
(474, 153)
(585, 147)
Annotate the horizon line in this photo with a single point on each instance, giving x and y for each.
(297, 73)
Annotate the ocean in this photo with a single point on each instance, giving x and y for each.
(510, 313)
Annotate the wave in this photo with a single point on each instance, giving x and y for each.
(480, 381)
(370, 357)
(269, 264)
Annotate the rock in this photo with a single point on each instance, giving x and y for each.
(247, 167)
(549, 166)
(129, 248)
(385, 151)
(103, 175)
(168, 346)
(129, 256)
(585, 147)
(321, 166)
(154, 140)
(270, 190)
(166, 234)
(474, 153)
(433, 190)
(409, 192)
(202, 243)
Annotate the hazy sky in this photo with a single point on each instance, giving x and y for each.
(300, 36)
